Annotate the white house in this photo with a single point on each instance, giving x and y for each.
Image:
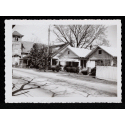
(72, 56)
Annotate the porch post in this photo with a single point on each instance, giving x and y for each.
(57, 62)
(83, 64)
(22, 64)
(71, 63)
(111, 62)
(51, 62)
(79, 63)
(27, 61)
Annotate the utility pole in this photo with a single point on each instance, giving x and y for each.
(48, 38)
(48, 43)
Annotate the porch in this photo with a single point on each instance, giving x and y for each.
(24, 62)
(81, 63)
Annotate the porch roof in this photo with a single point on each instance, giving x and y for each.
(69, 60)
(25, 57)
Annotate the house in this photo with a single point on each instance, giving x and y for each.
(102, 56)
(80, 57)
(105, 60)
(71, 56)
(26, 47)
(55, 51)
(20, 48)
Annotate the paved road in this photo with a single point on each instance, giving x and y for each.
(49, 84)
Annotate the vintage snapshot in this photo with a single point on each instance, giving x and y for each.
(63, 61)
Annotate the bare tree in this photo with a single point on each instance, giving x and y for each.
(81, 35)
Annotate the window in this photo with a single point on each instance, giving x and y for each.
(99, 51)
(68, 52)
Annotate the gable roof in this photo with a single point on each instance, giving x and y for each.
(27, 46)
(81, 52)
(110, 50)
(15, 33)
(60, 49)
(54, 46)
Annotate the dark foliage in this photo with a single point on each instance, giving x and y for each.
(38, 57)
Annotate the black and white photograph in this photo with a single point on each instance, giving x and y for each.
(62, 61)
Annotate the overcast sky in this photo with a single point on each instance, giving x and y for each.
(41, 33)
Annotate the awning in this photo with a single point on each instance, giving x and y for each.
(68, 60)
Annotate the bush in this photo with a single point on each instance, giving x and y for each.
(16, 63)
(56, 68)
(68, 69)
(84, 72)
(31, 66)
(72, 69)
(93, 71)
(65, 68)
(77, 70)
(49, 67)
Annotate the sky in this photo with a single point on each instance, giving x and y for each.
(40, 33)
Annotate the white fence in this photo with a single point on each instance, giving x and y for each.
(106, 72)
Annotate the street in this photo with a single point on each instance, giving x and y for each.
(32, 83)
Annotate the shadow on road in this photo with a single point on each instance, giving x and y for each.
(14, 93)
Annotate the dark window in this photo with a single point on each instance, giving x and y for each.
(99, 51)
(68, 52)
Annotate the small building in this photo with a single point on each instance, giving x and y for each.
(102, 56)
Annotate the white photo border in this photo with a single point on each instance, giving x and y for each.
(8, 63)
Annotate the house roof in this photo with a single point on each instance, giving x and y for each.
(15, 33)
(60, 49)
(81, 52)
(54, 46)
(110, 50)
(27, 46)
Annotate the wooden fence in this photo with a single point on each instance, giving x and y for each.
(106, 73)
